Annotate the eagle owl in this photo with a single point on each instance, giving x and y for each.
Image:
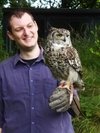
(62, 58)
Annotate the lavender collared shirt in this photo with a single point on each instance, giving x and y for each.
(24, 95)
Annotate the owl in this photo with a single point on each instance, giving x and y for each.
(62, 58)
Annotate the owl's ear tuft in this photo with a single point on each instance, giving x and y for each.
(52, 29)
(69, 27)
(48, 26)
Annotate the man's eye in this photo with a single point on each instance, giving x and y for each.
(18, 29)
(30, 26)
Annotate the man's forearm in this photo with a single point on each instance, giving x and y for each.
(0, 130)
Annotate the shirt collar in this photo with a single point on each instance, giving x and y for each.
(40, 57)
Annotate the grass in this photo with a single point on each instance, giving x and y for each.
(89, 51)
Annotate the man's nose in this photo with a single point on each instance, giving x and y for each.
(26, 31)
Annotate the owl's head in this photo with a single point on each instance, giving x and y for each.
(59, 38)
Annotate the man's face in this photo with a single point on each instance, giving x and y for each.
(24, 31)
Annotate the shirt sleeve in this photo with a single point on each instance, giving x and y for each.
(1, 107)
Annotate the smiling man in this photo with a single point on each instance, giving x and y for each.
(23, 30)
(26, 84)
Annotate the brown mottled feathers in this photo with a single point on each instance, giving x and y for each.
(62, 58)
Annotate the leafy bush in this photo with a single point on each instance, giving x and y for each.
(3, 53)
(96, 48)
(89, 51)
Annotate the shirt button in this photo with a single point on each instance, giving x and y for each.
(32, 94)
(33, 122)
(31, 80)
(32, 108)
(30, 68)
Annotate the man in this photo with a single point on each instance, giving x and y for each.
(27, 86)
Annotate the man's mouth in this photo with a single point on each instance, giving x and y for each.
(28, 39)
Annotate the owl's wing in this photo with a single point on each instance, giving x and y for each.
(74, 59)
(75, 68)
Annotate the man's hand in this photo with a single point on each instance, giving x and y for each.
(60, 100)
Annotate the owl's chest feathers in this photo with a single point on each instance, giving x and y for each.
(62, 54)
(56, 59)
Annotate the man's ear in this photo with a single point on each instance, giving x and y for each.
(10, 35)
(36, 25)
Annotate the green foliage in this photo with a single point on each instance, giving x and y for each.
(86, 125)
(3, 53)
(71, 4)
(91, 106)
(89, 51)
(3, 2)
(89, 4)
(96, 48)
(20, 3)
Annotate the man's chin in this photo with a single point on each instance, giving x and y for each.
(27, 49)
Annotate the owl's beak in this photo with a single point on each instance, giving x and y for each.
(64, 39)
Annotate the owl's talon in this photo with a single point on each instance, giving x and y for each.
(65, 84)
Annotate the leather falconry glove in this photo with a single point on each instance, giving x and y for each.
(62, 97)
